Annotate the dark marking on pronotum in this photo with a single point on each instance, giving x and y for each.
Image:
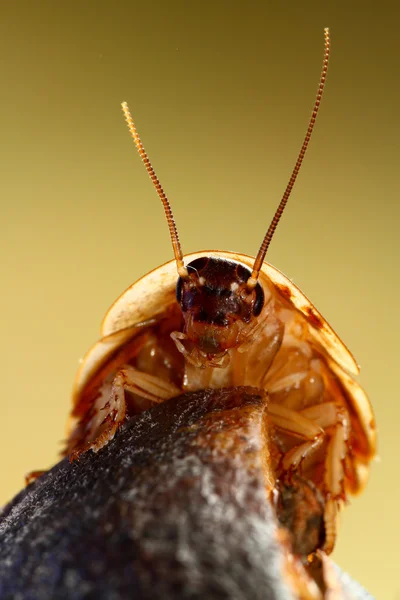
(314, 319)
(284, 290)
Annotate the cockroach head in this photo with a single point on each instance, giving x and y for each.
(216, 302)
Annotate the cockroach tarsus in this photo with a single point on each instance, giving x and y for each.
(231, 320)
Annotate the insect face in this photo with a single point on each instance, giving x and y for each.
(217, 305)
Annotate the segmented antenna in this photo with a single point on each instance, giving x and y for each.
(252, 281)
(182, 270)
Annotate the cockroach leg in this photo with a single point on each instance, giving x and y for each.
(177, 336)
(142, 387)
(330, 414)
(296, 455)
(334, 476)
(311, 423)
(145, 385)
(193, 357)
(196, 357)
(324, 414)
(32, 476)
(293, 422)
(330, 518)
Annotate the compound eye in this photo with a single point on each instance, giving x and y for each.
(259, 303)
(190, 281)
(178, 291)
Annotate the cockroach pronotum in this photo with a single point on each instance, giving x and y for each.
(231, 320)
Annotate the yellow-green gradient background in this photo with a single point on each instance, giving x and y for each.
(221, 93)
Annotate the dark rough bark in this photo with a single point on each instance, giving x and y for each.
(174, 507)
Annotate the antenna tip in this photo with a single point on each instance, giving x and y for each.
(128, 119)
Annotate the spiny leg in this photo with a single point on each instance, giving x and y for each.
(311, 424)
(191, 357)
(330, 414)
(293, 422)
(105, 420)
(334, 470)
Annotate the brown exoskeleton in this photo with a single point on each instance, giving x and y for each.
(231, 320)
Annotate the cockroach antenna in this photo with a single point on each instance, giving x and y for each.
(182, 270)
(252, 281)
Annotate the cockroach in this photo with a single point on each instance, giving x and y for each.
(226, 320)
